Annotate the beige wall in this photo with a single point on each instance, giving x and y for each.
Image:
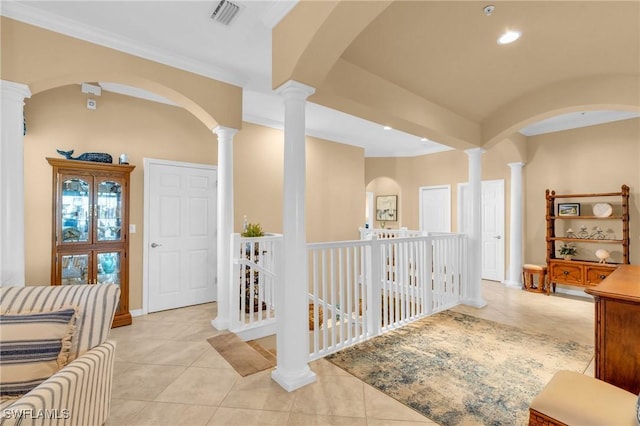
(444, 168)
(335, 184)
(592, 159)
(58, 119)
(45, 60)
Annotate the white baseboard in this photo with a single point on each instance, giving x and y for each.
(137, 312)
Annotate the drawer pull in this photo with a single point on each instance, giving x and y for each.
(565, 272)
(603, 276)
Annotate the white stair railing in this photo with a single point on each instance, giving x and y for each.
(359, 289)
(255, 268)
(356, 289)
(337, 295)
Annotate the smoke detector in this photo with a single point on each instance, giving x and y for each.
(225, 11)
(488, 9)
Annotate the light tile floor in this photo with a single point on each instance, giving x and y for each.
(167, 374)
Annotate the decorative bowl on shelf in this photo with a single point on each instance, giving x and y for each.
(602, 209)
(603, 255)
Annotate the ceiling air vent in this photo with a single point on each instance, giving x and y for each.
(225, 12)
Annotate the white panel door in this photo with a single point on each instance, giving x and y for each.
(435, 208)
(181, 235)
(492, 226)
(493, 230)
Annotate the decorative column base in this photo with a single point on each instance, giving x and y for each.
(220, 324)
(512, 284)
(474, 303)
(291, 382)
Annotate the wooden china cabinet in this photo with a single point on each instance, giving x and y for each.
(90, 230)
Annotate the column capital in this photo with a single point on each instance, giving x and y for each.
(472, 152)
(294, 89)
(516, 165)
(224, 132)
(19, 90)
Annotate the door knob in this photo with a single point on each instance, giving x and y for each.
(154, 245)
(497, 237)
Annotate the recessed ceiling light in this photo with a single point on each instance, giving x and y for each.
(387, 127)
(509, 37)
(424, 140)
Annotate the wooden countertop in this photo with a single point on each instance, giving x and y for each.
(622, 284)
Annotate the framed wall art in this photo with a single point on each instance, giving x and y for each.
(387, 208)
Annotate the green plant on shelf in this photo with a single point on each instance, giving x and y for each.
(253, 230)
(568, 250)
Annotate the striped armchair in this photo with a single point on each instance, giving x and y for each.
(80, 393)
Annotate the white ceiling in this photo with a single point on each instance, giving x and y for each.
(182, 34)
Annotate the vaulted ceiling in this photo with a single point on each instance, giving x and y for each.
(435, 67)
(430, 69)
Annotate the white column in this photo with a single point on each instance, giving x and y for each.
(473, 296)
(292, 371)
(12, 255)
(515, 228)
(225, 224)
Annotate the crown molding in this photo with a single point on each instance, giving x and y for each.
(22, 12)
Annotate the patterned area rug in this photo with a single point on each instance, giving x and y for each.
(461, 370)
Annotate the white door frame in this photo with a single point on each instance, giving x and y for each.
(146, 213)
(420, 215)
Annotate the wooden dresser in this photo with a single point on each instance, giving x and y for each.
(617, 324)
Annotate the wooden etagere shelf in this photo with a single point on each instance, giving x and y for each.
(586, 273)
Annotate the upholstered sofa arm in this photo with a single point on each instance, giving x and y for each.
(79, 394)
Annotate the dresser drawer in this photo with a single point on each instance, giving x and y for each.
(595, 274)
(565, 273)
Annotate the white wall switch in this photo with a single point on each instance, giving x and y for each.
(132, 228)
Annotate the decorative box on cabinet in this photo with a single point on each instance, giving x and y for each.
(90, 230)
(585, 273)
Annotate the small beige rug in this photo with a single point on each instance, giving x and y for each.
(243, 357)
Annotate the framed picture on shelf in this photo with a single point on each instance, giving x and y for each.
(387, 208)
(569, 209)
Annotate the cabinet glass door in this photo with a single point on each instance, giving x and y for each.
(75, 211)
(109, 271)
(109, 210)
(74, 269)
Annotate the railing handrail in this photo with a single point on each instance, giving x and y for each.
(265, 237)
(354, 243)
(337, 244)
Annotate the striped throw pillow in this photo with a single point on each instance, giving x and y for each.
(33, 347)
